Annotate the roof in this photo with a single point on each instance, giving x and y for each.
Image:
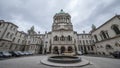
(2, 21)
(84, 34)
(61, 11)
(118, 16)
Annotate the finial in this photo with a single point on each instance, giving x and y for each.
(61, 10)
(93, 27)
(38, 32)
(83, 31)
(32, 27)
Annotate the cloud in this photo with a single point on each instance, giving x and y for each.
(84, 13)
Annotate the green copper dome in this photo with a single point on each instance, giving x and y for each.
(61, 11)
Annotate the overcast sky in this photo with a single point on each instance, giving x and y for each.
(39, 13)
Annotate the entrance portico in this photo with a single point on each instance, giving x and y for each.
(62, 49)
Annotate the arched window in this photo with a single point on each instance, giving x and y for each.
(103, 34)
(95, 36)
(83, 42)
(28, 42)
(69, 38)
(7, 34)
(2, 44)
(56, 38)
(108, 46)
(88, 47)
(70, 49)
(97, 46)
(116, 29)
(117, 44)
(101, 46)
(103, 53)
(11, 36)
(13, 39)
(63, 49)
(87, 42)
(81, 48)
(92, 48)
(55, 50)
(18, 40)
(62, 38)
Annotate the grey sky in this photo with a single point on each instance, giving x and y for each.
(84, 13)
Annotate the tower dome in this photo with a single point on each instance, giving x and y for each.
(62, 20)
(62, 17)
(62, 13)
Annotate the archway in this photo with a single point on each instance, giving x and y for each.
(55, 50)
(70, 49)
(115, 27)
(62, 49)
(109, 49)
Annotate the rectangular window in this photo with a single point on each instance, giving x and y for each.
(80, 41)
(16, 47)
(87, 42)
(20, 34)
(18, 40)
(14, 29)
(2, 44)
(83, 42)
(90, 41)
(11, 27)
(10, 47)
(82, 36)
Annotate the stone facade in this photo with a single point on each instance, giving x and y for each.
(103, 40)
(63, 38)
(107, 36)
(85, 43)
(7, 33)
(13, 40)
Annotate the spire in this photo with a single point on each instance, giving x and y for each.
(93, 27)
(32, 28)
(83, 32)
(38, 32)
(31, 31)
(61, 10)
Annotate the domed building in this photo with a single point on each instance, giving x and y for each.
(63, 38)
(103, 40)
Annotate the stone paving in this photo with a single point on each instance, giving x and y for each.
(30, 62)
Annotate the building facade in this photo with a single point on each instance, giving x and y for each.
(7, 33)
(107, 36)
(63, 38)
(13, 40)
(103, 40)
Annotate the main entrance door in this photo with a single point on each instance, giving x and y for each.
(70, 49)
(55, 50)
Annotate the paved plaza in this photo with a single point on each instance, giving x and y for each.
(34, 62)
